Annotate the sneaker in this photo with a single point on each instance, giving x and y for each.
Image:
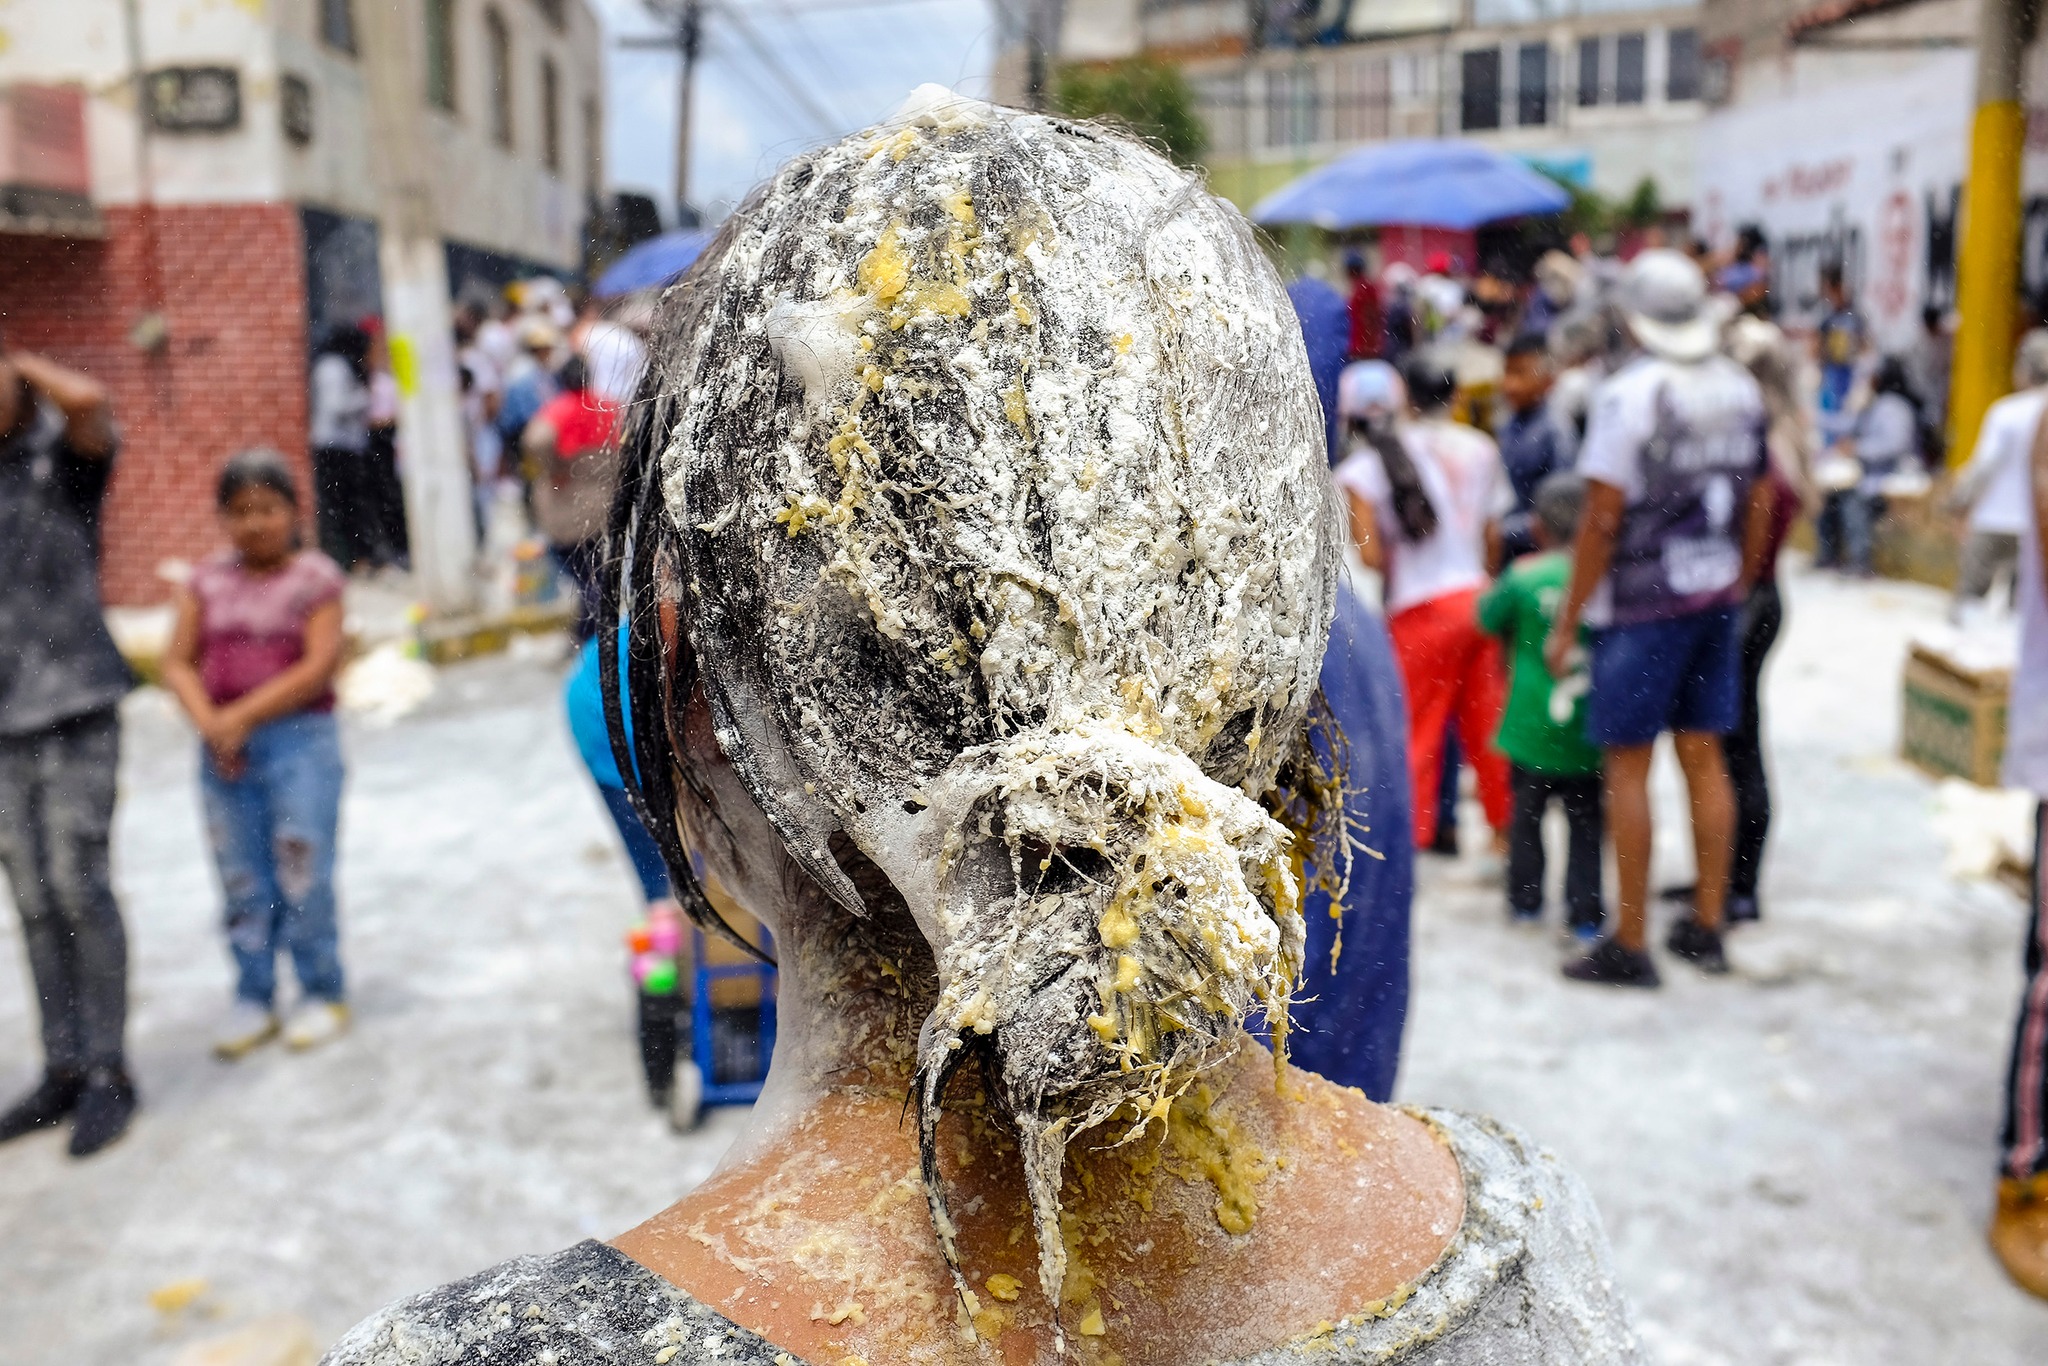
(1518, 916)
(1588, 932)
(315, 1023)
(105, 1105)
(55, 1096)
(248, 1027)
(1742, 910)
(1697, 945)
(2019, 1233)
(1609, 964)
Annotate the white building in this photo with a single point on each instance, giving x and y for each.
(1604, 92)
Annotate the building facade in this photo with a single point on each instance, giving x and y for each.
(1606, 93)
(231, 182)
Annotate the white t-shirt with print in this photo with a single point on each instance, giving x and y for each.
(1461, 471)
(1716, 397)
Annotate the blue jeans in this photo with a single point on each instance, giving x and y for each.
(273, 836)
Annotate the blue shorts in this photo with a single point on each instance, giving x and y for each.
(1682, 674)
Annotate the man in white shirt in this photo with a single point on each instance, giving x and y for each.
(1675, 525)
(1993, 486)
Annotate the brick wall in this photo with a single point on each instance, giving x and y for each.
(230, 282)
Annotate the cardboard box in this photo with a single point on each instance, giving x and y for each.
(1953, 719)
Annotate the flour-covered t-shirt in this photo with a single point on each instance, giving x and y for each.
(1461, 471)
(1683, 443)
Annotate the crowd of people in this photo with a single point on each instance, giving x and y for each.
(544, 373)
(1575, 493)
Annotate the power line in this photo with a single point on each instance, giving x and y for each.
(751, 36)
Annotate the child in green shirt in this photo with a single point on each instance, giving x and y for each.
(1543, 729)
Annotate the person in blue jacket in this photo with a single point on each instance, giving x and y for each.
(1349, 1014)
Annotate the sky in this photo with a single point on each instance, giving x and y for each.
(854, 60)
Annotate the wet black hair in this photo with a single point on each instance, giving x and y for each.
(1430, 382)
(258, 468)
(1891, 378)
(1529, 344)
(574, 376)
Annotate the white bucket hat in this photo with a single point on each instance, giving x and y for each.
(1665, 298)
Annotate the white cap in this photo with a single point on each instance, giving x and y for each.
(1665, 298)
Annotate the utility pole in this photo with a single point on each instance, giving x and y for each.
(1987, 271)
(686, 40)
(417, 319)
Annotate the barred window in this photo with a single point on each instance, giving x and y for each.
(1532, 85)
(1631, 75)
(1479, 89)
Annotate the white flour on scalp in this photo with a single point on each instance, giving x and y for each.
(1001, 490)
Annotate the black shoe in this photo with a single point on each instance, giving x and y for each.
(1742, 910)
(1698, 945)
(1609, 964)
(55, 1096)
(105, 1106)
(1679, 896)
(1518, 916)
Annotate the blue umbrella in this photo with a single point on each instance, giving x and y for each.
(1429, 183)
(653, 262)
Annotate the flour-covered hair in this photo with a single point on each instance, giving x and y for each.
(982, 453)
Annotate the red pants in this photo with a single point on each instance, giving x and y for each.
(1451, 668)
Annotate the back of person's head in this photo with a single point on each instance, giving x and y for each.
(574, 376)
(980, 461)
(2032, 362)
(1749, 240)
(1432, 384)
(1354, 264)
(1890, 378)
(1560, 499)
(1934, 318)
(257, 468)
(1530, 348)
(1831, 276)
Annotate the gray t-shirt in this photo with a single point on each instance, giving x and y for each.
(1526, 1282)
(57, 661)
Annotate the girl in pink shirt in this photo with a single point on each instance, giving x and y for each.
(253, 660)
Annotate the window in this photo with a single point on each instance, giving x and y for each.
(1630, 78)
(1291, 112)
(551, 10)
(593, 147)
(1682, 67)
(1532, 85)
(1362, 99)
(498, 45)
(550, 116)
(441, 54)
(1479, 89)
(338, 25)
(1589, 72)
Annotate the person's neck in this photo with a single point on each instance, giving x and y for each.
(265, 567)
(1256, 1192)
